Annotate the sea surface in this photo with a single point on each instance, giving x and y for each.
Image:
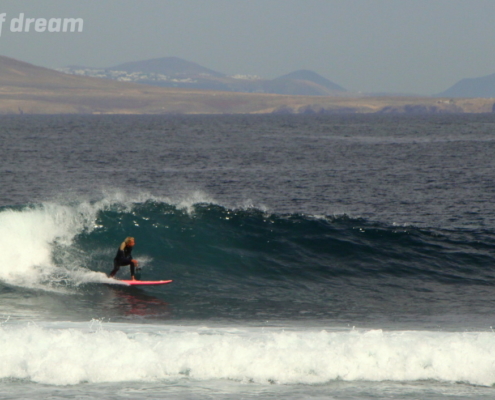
(312, 257)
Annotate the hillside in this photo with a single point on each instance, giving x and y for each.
(474, 87)
(303, 82)
(18, 74)
(28, 89)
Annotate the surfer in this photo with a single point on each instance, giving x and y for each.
(124, 257)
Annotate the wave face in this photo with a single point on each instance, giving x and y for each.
(248, 263)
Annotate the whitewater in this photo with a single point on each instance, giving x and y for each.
(95, 353)
(339, 257)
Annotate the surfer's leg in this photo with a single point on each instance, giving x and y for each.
(116, 267)
(133, 269)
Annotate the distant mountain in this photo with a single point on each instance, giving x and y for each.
(304, 82)
(29, 89)
(178, 73)
(473, 87)
(166, 66)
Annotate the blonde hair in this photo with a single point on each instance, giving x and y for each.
(125, 242)
(128, 239)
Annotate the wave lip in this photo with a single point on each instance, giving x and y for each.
(71, 356)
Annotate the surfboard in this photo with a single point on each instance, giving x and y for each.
(145, 283)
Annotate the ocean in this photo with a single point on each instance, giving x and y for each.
(312, 257)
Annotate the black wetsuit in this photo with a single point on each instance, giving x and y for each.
(123, 257)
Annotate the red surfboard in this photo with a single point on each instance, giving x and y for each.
(145, 283)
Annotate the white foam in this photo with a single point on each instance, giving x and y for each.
(29, 237)
(63, 356)
(183, 201)
(188, 202)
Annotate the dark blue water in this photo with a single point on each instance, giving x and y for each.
(360, 228)
(427, 171)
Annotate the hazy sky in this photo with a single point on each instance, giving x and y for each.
(408, 46)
